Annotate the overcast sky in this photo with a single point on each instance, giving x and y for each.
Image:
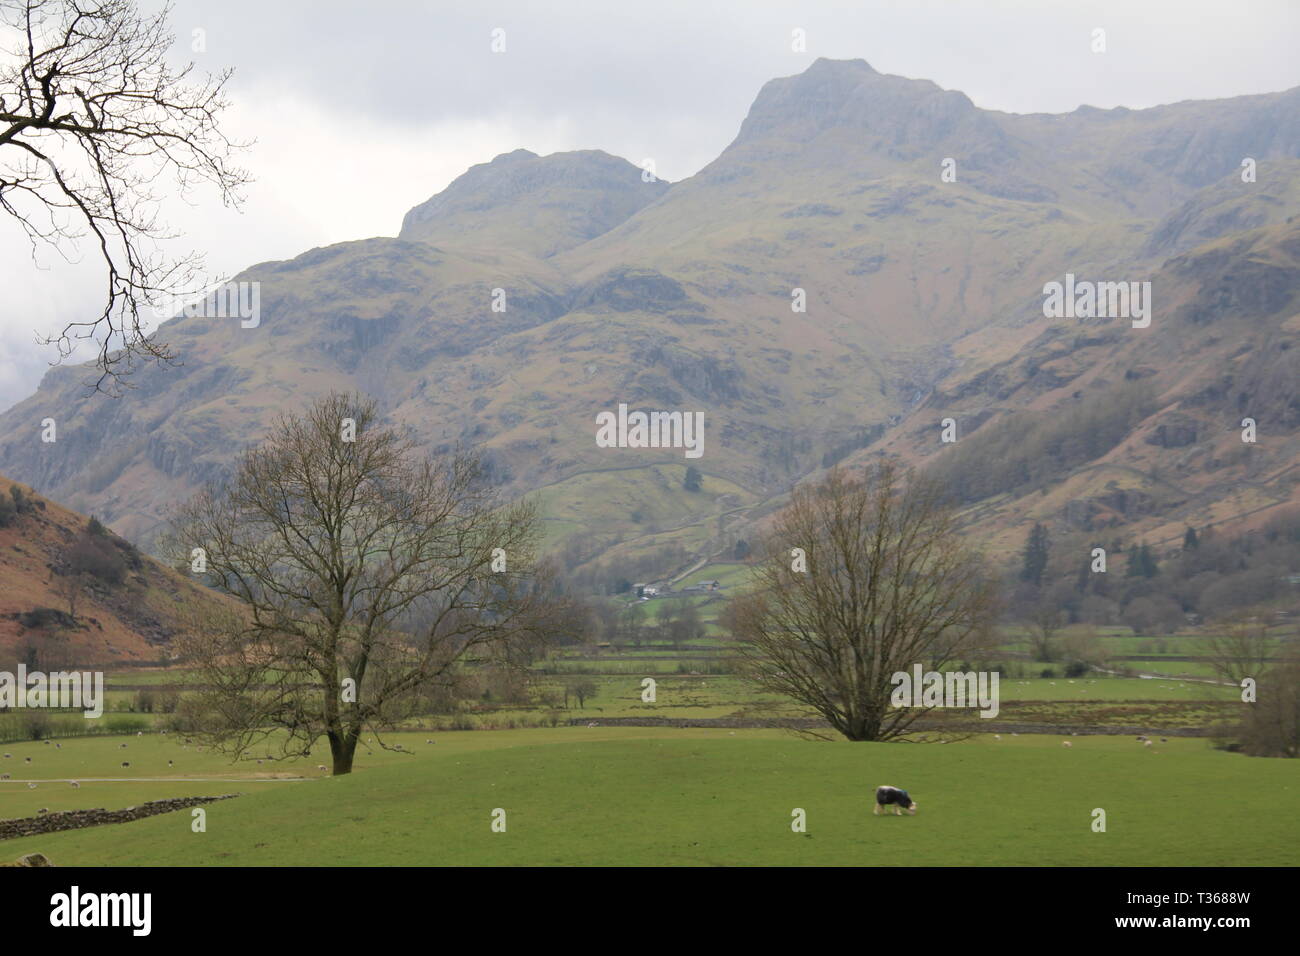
(361, 110)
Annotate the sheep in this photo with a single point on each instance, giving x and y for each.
(1164, 740)
(1066, 743)
(997, 736)
(46, 742)
(126, 763)
(170, 764)
(27, 759)
(321, 768)
(4, 776)
(43, 810)
(7, 756)
(123, 746)
(58, 746)
(428, 741)
(1146, 743)
(31, 786)
(75, 785)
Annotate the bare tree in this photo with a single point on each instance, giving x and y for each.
(1271, 727)
(69, 587)
(1239, 647)
(91, 118)
(1043, 619)
(364, 577)
(889, 584)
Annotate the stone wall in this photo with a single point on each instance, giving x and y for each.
(77, 819)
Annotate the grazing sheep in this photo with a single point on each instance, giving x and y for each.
(7, 756)
(126, 763)
(46, 742)
(27, 759)
(1146, 743)
(4, 776)
(321, 767)
(997, 736)
(428, 741)
(1066, 743)
(139, 733)
(43, 810)
(31, 786)
(1164, 740)
(123, 746)
(58, 746)
(169, 763)
(75, 785)
(900, 800)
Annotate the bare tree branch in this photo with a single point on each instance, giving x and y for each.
(91, 118)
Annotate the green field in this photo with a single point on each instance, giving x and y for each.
(610, 796)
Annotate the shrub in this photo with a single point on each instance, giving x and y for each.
(97, 557)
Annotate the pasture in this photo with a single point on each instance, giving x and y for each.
(655, 796)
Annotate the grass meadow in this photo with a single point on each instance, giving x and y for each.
(619, 796)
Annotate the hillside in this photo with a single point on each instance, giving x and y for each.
(1094, 425)
(72, 596)
(924, 296)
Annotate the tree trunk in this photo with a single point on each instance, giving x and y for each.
(342, 748)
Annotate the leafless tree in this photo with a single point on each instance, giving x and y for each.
(69, 587)
(1043, 620)
(1239, 647)
(92, 118)
(889, 584)
(364, 578)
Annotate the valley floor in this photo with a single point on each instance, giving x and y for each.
(667, 796)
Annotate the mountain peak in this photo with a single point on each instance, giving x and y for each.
(892, 113)
(551, 203)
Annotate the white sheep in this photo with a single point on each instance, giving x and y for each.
(1066, 743)
(1146, 743)
(321, 767)
(31, 786)
(75, 785)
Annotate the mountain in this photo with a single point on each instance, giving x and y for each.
(73, 594)
(536, 292)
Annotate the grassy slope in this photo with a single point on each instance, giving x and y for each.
(709, 798)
